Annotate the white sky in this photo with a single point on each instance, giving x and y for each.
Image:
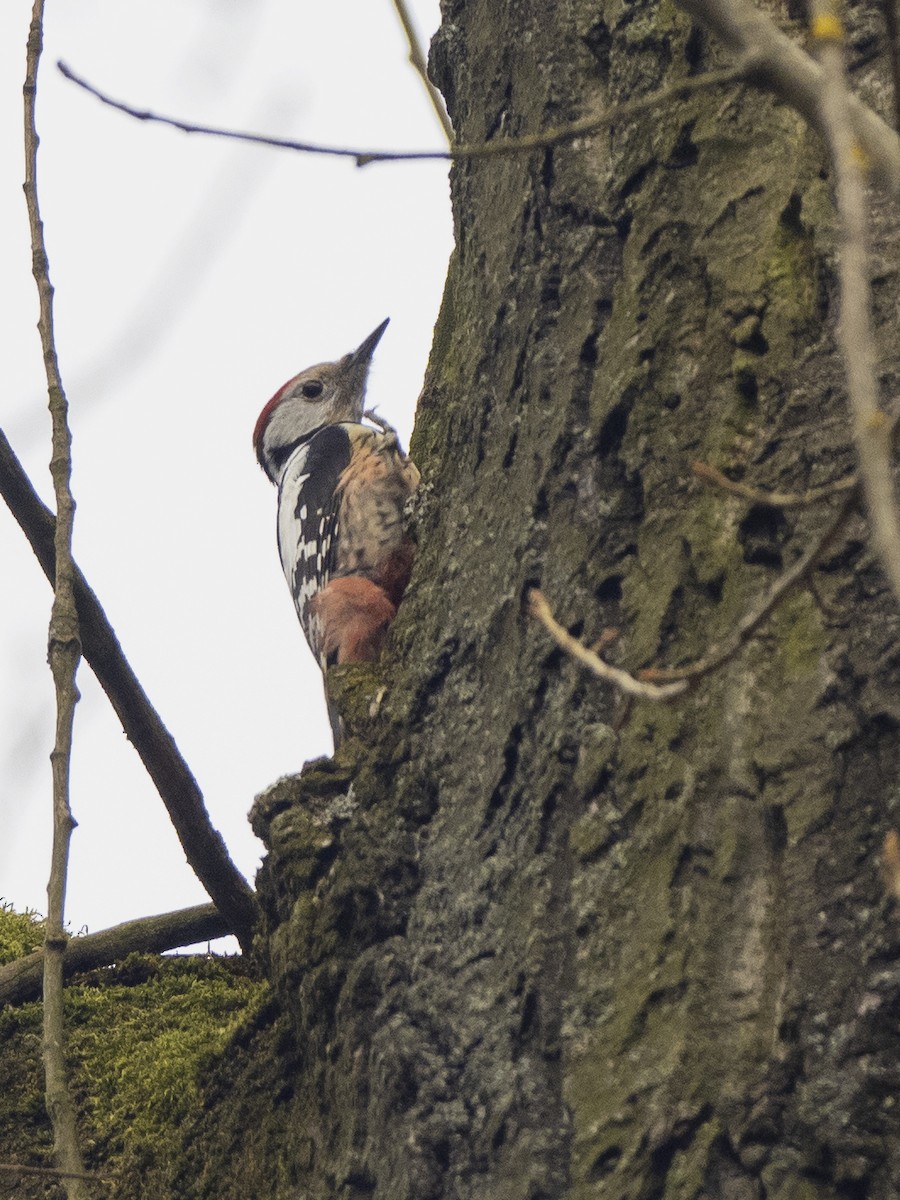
(193, 277)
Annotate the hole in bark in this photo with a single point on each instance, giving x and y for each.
(548, 172)
(692, 863)
(528, 1019)
(762, 533)
(776, 828)
(789, 1031)
(441, 1153)
(635, 180)
(854, 1189)
(550, 289)
(598, 40)
(609, 589)
(510, 762)
(623, 226)
(604, 1164)
(694, 47)
(511, 450)
(547, 811)
(360, 1183)
(499, 1137)
(684, 152)
(747, 386)
(714, 587)
(756, 343)
(672, 614)
(790, 215)
(612, 431)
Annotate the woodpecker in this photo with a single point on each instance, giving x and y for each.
(342, 486)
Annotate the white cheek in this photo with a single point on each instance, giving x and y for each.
(295, 418)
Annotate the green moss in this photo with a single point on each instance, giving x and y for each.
(791, 271)
(799, 637)
(137, 1054)
(138, 1051)
(356, 690)
(20, 933)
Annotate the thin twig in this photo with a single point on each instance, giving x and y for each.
(20, 980)
(665, 683)
(782, 67)
(725, 650)
(552, 137)
(539, 608)
(773, 499)
(56, 1173)
(203, 845)
(890, 863)
(417, 58)
(64, 653)
(872, 431)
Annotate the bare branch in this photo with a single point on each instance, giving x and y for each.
(890, 863)
(20, 980)
(780, 65)
(417, 58)
(64, 654)
(539, 608)
(203, 845)
(665, 683)
(748, 625)
(774, 499)
(584, 127)
(55, 1173)
(872, 431)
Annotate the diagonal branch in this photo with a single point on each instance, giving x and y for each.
(784, 68)
(773, 499)
(539, 608)
(667, 683)
(20, 980)
(722, 652)
(203, 845)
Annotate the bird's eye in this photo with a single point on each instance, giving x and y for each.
(311, 389)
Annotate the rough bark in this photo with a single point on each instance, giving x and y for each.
(526, 943)
(523, 954)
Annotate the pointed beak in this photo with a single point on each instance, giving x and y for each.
(363, 353)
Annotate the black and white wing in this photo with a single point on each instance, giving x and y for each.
(307, 519)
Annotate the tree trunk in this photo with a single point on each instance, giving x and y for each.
(526, 941)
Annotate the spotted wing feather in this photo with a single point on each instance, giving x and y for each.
(307, 521)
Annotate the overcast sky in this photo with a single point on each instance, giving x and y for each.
(193, 277)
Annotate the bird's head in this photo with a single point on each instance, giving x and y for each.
(320, 395)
